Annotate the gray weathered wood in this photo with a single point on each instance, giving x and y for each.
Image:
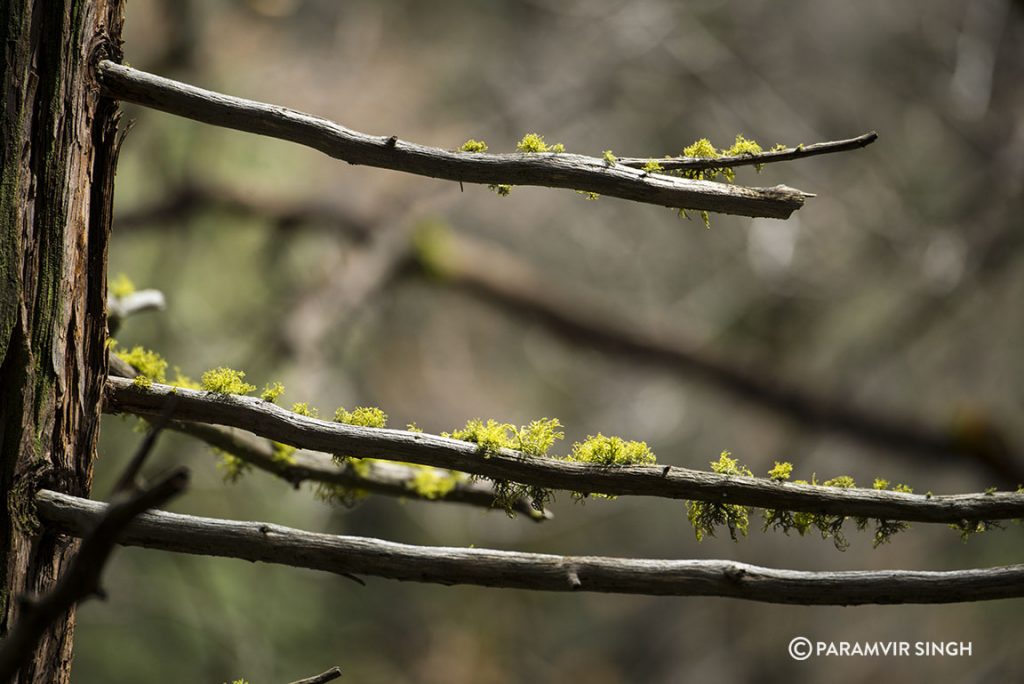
(557, 170)
(348, 555)
(271, 421)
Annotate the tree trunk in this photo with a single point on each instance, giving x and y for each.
(59, 150)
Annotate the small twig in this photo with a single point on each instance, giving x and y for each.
(129, 479)
(559, 170)
(328, 676)
(81, 581)
(267, 543)
(788, 154)
(274, 422)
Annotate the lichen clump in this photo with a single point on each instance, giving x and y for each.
(611, 451)
(225, 381)
(534, 143)
(706, 516)
(121, 286)
(151, 367)
(473, 146)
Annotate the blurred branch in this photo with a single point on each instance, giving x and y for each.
(572, 171)
(81, 580)
(390, 479)
(499, 278)
(788, 154)
(321, 678)
(120, 308)
(192, 198)
(264, 542)
(271, 421)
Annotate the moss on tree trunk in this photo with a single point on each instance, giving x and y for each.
(59, 148)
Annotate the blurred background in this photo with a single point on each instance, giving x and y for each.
(897, 289)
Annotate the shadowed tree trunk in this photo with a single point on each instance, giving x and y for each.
(59, 149)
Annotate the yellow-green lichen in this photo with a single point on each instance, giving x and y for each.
(363, 416)
(653, 166)
(121, 286)
(503, 189)
(473, 146)
(609, 158)
(707, 516)
(611, 451)
(232, 467)
(225, 381)
(147, 363)
(534, 143)
(304, 409)
(781, 471)
(433, 483)
(272, 391)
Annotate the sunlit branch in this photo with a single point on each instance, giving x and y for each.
(273, 422)
(348, 555)
(558, 170)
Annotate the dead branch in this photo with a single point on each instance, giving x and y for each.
(788, 154)
(264, 542)
(273, 422)
(558, 170)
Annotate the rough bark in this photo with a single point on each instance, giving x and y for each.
(59, 149)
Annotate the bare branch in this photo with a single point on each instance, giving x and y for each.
(499, 278)
(389, 479)
(328, 676)
(273, 422)
(788, 154)
(264, 542)
(559, 170)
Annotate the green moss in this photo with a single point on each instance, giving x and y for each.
(184, 381)
(304, 409)
(272, 391)
(147, 363)
(611, 451)
(491, 436)
(653, 166)
(121, 286)
(225, 381)
(363, 416)
(284, 453)
(232, 467)
(534, 439)
(473, 146)
(142, 381)
(707, 516)
(781, 471)
(534, 143)
(339, 494)
(433, 483)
